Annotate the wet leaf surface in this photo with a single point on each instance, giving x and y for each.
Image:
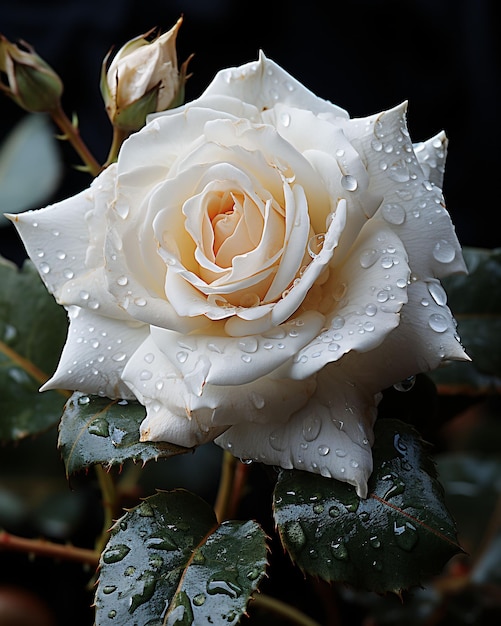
(169, 562)
(99, 430)
(396, 538)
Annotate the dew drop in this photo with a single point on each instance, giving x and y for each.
(140, 302)
(122, 280)
(311, 428)
(68, 274)
(393, 213)
(44, 268)
(323, 450)
(222, 583)
(295, 534)
(83, 400)
(257, 400)
(315, 245)
(438, 322)
(277, 442)
(339, 550)
(116, 553)
(99, 427)
(406, 536)
(438, 294)
(119, 356)
(444, 252)
(349, 182)
(371, 310)
(199, 599)
(285, 118)
(181, 356)
(368, 258)
(248, 344)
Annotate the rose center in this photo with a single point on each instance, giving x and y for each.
(225, 211)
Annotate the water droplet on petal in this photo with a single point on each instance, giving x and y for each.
(438, 322)
(349, 182)
(315, 245)
(323, 450)
(444, 252)
(438, 294)
(393, 213)
(368, 258)
(311, 428)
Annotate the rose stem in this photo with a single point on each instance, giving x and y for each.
(281, 608)
(70, 132)
(42, 547)
(119, 136)
(225, 486)
(109, 498)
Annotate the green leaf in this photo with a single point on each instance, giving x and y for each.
(475, 300)
(30, 166)
(400, 535)
(99, 430)
(168, 562)
(32, 333)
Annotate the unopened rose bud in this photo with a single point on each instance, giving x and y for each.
(27, 78)
(143, 78)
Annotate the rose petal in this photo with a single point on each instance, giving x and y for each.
(363, 299)
(178, 415)
(97, 349)
(291, 301)
(264, 83)
(60, 251)
(331, 435)
(237, 361)
(431, 155)
(412, 205)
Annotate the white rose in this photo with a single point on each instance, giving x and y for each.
(256, 268)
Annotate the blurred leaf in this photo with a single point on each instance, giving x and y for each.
(400, 535)
(168, 562)
(32, 333)
(99, 430)
(30, 166)
(475, 300)
(472, 483)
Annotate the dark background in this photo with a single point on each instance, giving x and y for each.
(364, 55)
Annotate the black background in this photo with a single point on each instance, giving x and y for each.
(364, 55)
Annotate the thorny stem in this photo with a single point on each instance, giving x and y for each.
(70, 132)
(41, 547)
(281, 608)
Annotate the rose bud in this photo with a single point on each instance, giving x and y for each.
(143, 78)
(29, 80)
